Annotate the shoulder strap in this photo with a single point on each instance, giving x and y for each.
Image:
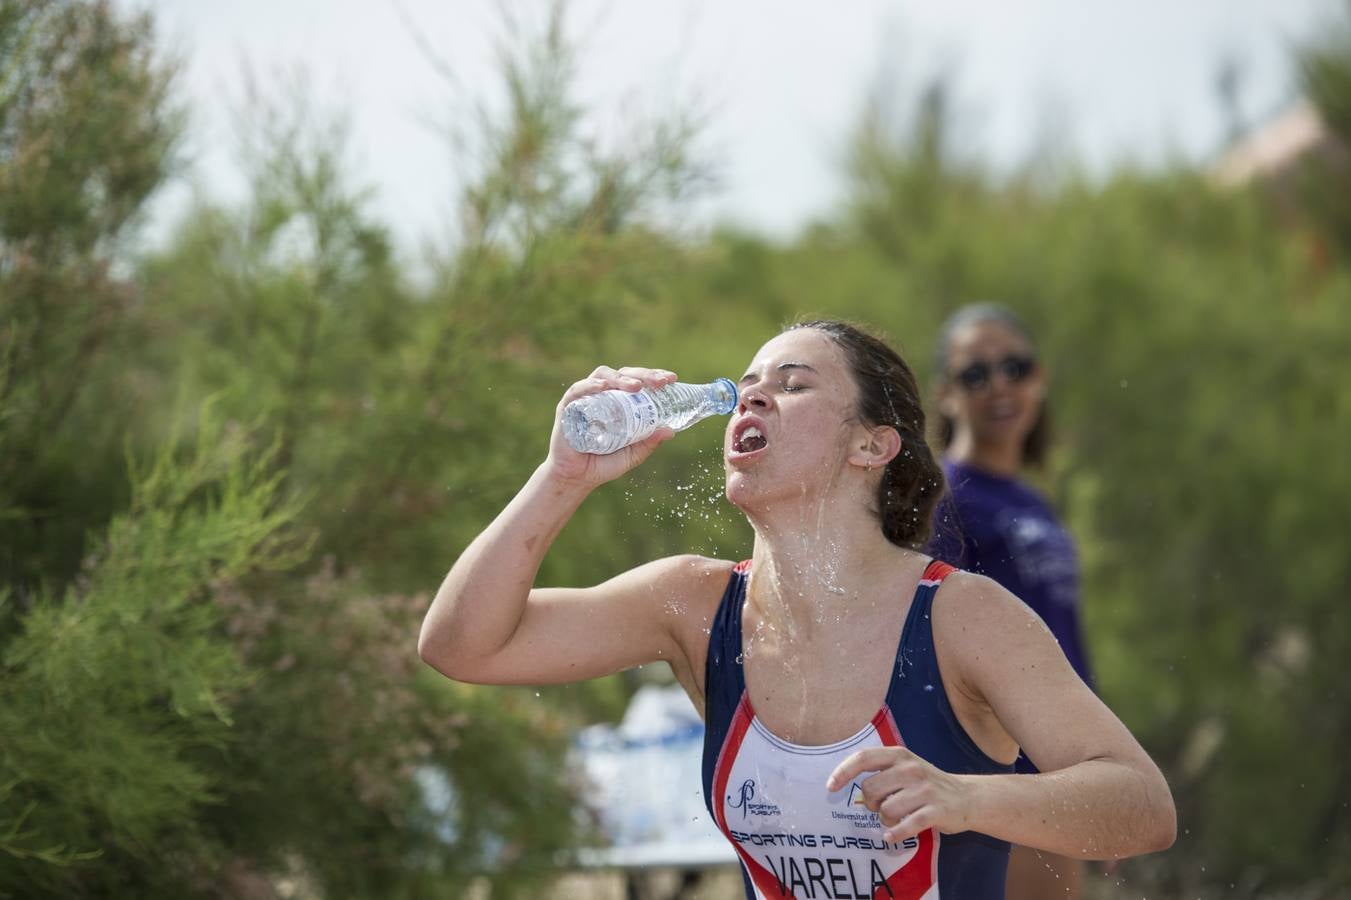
(724, 677)
(915, 650)
(935, 572)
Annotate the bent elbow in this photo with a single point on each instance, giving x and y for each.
(431, 649)
(434, 650)
(443, 662)
(1165, 831)
(424, 647)
(1160, 831)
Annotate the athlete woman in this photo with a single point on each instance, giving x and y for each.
(863, 703)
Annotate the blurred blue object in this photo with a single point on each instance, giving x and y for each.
(644, 785)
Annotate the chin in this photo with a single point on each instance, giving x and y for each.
(739, 489)
(1011, 430)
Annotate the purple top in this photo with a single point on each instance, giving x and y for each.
(1001, 528)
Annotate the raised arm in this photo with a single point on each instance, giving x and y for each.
(489, 624)
(1099, 795)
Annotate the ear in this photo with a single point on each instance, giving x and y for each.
(876, 446)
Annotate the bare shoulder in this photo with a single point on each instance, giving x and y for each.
(689, 588)
(685, 589)
(701, 580)
(685, 572)
(696, 567)
(993, 643)
(973, 613)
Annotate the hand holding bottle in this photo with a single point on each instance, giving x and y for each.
(595, 469)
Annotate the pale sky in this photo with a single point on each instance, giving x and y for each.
(783, 81)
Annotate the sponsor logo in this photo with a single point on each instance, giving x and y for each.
(856, 810)
(745, 802)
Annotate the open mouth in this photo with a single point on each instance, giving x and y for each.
(748, 439)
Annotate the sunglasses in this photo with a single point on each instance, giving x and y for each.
(978, 375)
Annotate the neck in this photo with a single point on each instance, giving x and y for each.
(813, 562)
(1004, 458)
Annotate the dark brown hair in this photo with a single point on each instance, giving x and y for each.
(1039, 438)
(889, 395)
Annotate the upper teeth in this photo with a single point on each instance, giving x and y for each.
(751, 432)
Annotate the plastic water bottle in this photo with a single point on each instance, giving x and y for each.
(610, 420)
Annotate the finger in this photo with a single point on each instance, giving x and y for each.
(656, 439)
(896, 806)
(913, 824)
(622, 379)
(653, 378)
(644, 448)
(874, 759)
(625, 380)
(603, 378)
(877, 788)
(592, 385)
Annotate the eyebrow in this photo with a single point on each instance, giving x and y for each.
(783, 367)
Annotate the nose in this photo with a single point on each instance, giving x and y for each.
(752, 397)
(999, 383)
(1002, 382)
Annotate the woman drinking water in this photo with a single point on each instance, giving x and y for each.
(863, 702)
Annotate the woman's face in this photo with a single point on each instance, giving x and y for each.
(794, 419)
(993, 385)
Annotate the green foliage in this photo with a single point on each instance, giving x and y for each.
(335, 765)
(1325, 67)
(86, 126)
(1320, 182)
(113, 693)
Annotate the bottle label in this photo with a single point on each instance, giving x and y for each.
(640, 413)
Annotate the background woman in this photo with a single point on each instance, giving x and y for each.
(994, 426)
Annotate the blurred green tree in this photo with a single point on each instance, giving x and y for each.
(1322, 177)
(87, 129)
(116, 693)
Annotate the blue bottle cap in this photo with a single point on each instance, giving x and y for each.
(729, 403)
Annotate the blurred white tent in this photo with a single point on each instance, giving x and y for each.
(644, 785)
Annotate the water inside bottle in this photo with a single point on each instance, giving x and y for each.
(585, 428)
(605, 422)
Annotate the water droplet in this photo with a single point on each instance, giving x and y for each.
(928, 687)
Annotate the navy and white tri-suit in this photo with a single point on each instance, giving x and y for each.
(768, 796)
